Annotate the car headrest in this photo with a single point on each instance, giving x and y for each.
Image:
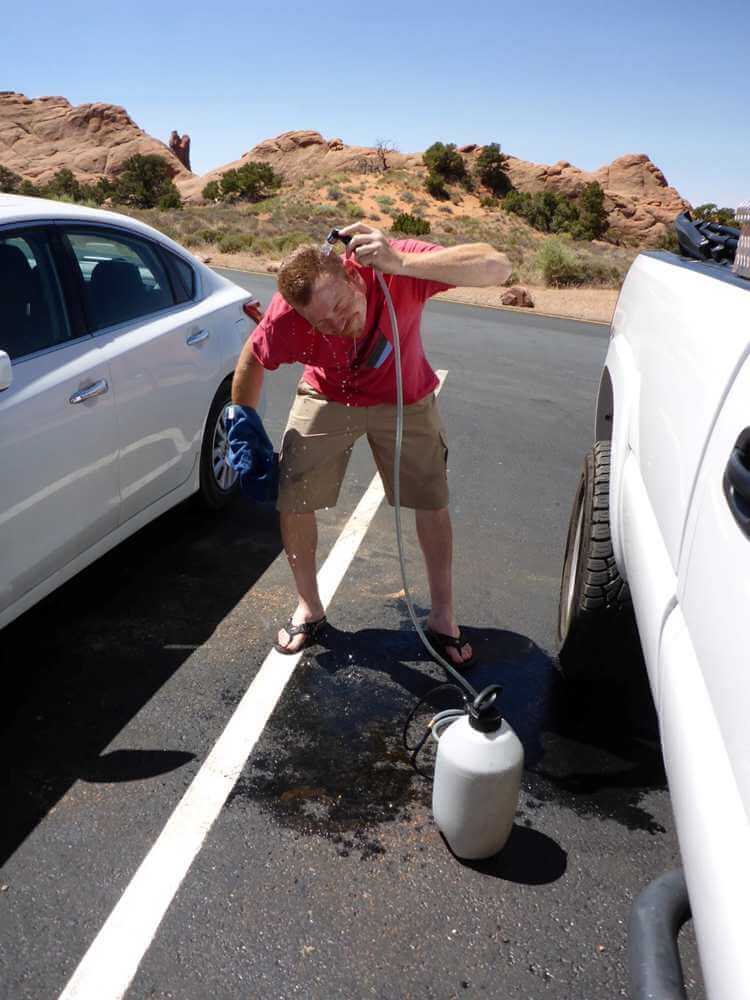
(16, 277)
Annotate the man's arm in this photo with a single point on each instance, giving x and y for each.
(469, 264)
(248, 378)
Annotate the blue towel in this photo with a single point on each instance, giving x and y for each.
(251, 454)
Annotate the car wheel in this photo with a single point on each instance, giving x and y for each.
(218, 483)
(596, 624)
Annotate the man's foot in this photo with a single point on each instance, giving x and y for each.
(309, 622)
(443, 631)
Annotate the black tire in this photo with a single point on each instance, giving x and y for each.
(218, 483)
(596, 625)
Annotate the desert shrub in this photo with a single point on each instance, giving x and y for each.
(100, 191)
(145, 182)
(445, 161)
(558, 265)
(408, 196)
(10, 182)
(592, 221)
(170, 199)
(385, 201)
(489, 201)
(235, 242)
(212, 191)
(446, 209)
(410, 225)
(491, 169)
(435, 186)
(63, 185)
(253, 181)
(552, 212)
(29, 190)
(288, 242)
(668, 241)
(351, 211)
(335, 194)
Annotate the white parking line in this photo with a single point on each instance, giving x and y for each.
(108, 967)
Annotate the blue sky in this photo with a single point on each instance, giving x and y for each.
(580, 81)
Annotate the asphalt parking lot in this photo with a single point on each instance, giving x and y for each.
(322, 874)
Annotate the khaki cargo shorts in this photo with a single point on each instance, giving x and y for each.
(319, 438)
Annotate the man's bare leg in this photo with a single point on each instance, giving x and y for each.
(299, 532)
(435, 536)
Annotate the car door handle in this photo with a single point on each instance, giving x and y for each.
(95, 389)
(737, 481)
(197, 338)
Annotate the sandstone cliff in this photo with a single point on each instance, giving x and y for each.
(38, 137)
(41, 136)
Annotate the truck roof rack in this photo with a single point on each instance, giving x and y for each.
(706, 240)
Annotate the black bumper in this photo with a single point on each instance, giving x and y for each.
(655, 921)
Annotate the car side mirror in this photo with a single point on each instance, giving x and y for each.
(6, 373)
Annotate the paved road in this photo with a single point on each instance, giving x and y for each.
(323, 875)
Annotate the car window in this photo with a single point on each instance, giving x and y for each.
(32, 315)
(123, 278)
(184, 277)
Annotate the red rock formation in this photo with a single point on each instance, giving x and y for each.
(41, 136)
(180, 146)
(517, 295)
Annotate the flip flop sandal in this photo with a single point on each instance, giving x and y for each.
(309, 630)
(442, 643)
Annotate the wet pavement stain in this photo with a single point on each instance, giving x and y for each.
(331, 762)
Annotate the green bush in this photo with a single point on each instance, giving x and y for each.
(712, 213)
(252, 181)
(435, 186)
(9, 181)
(552, 212)
(408, 196)
(334, 194)
(29, 190)
(489, 201)
(212, 191)
(491, 169)
(235, 242)
(558, 265)
(63, 185)
(593, 221)
(445, 161)
(410, 225)
(145, 181)
(170, 199)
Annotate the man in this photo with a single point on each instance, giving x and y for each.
(330, 314)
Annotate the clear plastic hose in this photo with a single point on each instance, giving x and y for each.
(397, 494)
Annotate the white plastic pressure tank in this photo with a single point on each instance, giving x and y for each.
(477, 779)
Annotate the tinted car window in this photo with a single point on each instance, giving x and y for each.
(32, 316)
(184, 278)
(123, 278)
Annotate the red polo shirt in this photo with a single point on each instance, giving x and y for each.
(361, 372)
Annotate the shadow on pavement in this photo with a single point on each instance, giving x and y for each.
(331, 762)
(528, 858)
(81, 664)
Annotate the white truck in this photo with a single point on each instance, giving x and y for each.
(659, 539)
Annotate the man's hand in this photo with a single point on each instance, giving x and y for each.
(372, 249)
(254, 310)
(472, 265)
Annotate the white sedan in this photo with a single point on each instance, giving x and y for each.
(117, 349)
